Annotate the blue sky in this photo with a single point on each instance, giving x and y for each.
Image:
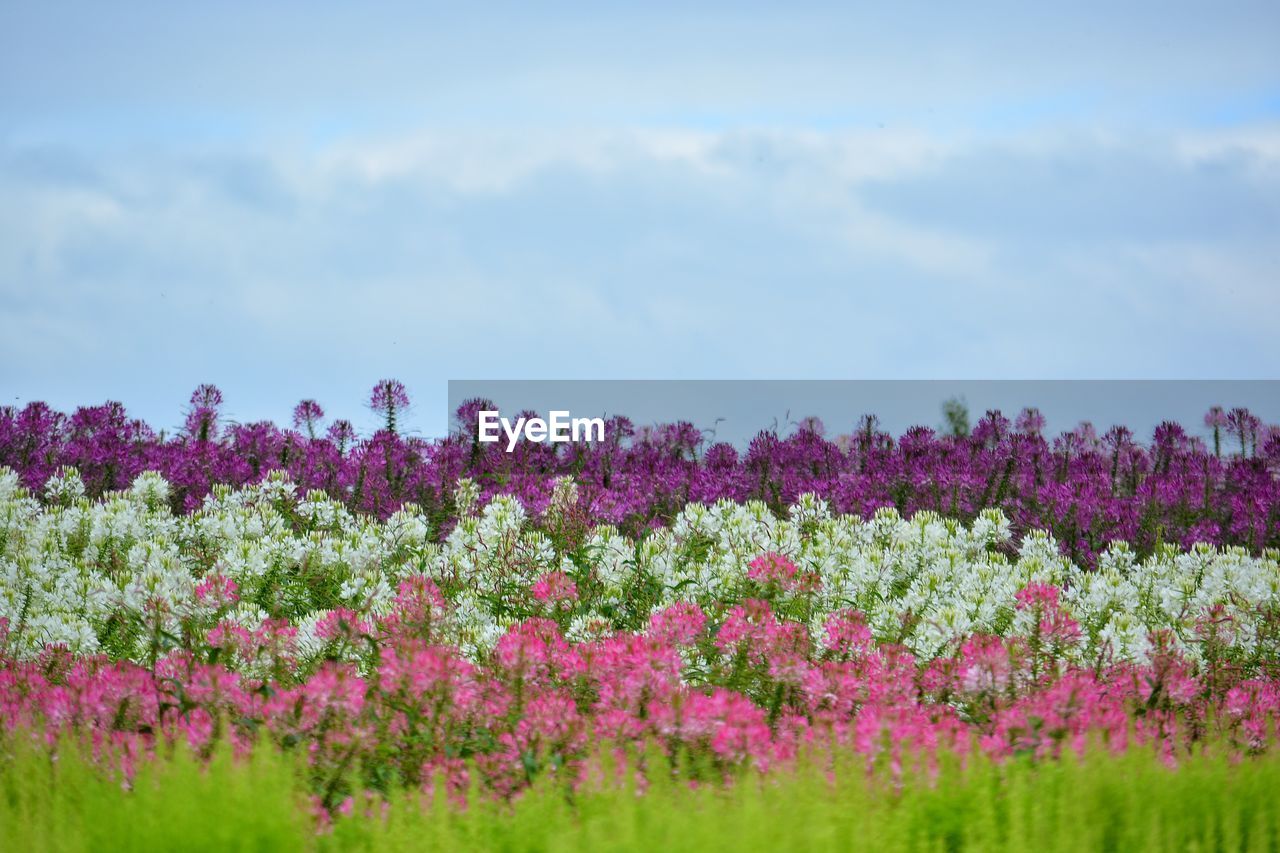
(295, 199)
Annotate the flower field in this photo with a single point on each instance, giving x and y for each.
(967, 641)
(1085, 488)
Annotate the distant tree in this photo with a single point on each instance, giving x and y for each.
(955, 414)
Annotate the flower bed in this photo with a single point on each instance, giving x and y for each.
(698, 614)
(509, 649)
(1083, 488)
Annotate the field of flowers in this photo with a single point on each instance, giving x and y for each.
(1084, 488)
(406, 629)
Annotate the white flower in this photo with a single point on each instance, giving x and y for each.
(67, 567)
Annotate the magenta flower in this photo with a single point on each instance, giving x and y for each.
(1216, 420)
(342, 433)
(388, 399)
(206, 396)
(555, 587)
(1030, 421)
(307, 414)
(202, 419)
(1244, 425)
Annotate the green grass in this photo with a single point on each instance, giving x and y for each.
(1102, 802)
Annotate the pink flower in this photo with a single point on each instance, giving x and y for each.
(217, 591)
(847, 634)
(679, 624)
(775, 569)
(1053, 624)
(342, 624)
(555, 587)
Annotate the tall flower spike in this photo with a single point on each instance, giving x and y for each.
(342, 433)
(1216, 419)
(206, 396)
(1243, 424)
(308, 414)
(202, 419)
(388, 399)
(1030, 421)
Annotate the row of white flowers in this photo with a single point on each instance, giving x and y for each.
(121, 574)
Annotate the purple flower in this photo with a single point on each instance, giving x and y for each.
(342, 433)
(1030, 421)
(202, 418)
(1242, 424)
(1083, 490)
(206, 396)
(307, 415)
(388, 399)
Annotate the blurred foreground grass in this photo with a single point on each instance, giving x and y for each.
(1099, 802)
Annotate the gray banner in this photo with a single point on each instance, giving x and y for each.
(735, 411)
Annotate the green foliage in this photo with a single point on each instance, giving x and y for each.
(955, 414)
(176, 803)
(1099, 802)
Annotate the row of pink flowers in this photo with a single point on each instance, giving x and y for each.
(415, 709)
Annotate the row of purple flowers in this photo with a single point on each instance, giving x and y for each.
(1086, 488)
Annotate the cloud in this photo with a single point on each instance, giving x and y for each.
(1089, 192)
(300, 271)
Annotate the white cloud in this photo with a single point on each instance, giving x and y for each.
(290, 270)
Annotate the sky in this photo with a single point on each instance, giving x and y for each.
(294, 200)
